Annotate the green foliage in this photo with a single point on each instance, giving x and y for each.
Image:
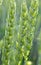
(18, 38)
(39, 47)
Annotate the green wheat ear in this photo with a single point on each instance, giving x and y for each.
(33, 11)
(32, 17)
(21, 41)
(8, 39)
(24, 39)
(25, 31)
(33, 14)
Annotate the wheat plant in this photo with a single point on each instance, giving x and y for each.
(18, 41)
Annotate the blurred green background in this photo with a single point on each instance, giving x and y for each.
(37, 39)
